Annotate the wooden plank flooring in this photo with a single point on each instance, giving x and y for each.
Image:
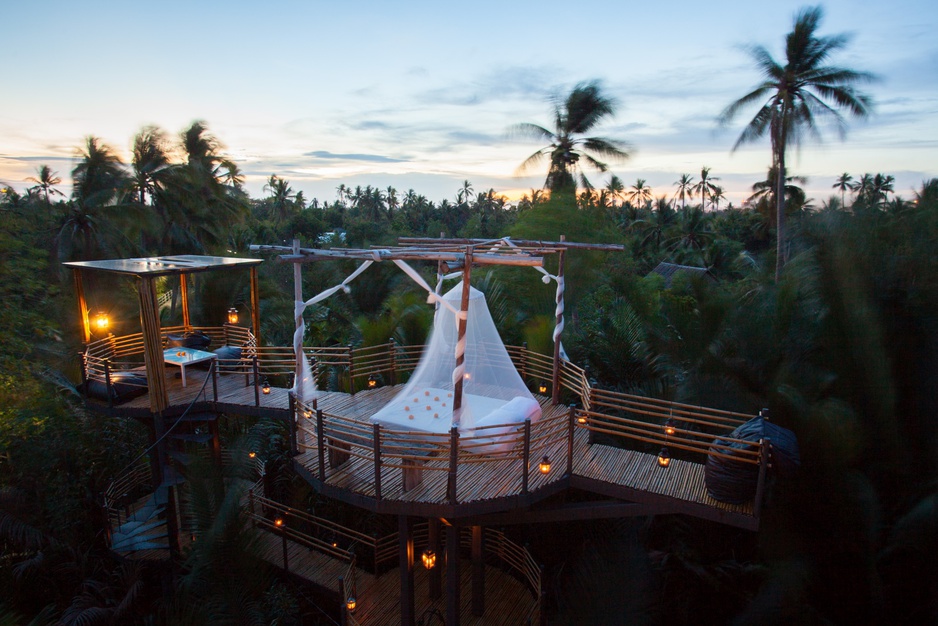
(507, 600)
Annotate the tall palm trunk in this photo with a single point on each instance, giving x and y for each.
(780, 248)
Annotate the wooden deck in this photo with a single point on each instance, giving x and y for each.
(507, 601)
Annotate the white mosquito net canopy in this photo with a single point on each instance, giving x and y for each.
(493, 392)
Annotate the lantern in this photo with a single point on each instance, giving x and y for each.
(669, 427)
(102, 322)
(581, 418)
(429, 558)
(544, 465)
(265, 388)
(351, 603)
(232, 315)
(542, 388)
(372, 381)
(278, 522)
(252, 454)
(664, 457)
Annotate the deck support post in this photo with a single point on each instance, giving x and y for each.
(478, 572)
(405, 546)
(461, 338)
(343, 598)
(294, 444)
(435, 586)
(257, 383)
(453, 464)
(555, 382)
(82, 306)
(298, 381)
(255, 307)
(765, 446)
(452, 576)
(184, 296)
(526, 456)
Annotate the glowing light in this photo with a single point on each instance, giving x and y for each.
(664, 457)
(252, 454)
(544, 465)
(351, 603)
(265, 388)
(669, 428)
(542, 388)
(102, 321)
(429, 558)
(372, 381)
(278, 522)
(232, 315)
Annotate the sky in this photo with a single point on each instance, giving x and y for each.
(419, 94)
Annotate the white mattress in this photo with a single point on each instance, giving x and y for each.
(431, 411)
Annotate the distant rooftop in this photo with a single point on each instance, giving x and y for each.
(669, 270)
(165, 265)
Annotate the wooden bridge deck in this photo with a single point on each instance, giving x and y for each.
(507, 600)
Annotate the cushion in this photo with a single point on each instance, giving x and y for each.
(735, 482)
(228, 353)
(505, 421)
(124, 386)
(192, 339)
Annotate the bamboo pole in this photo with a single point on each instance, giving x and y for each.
(82, 306)
(555, 386)
(152, 344)
(461, 338)
(255, 307)
(184, 297)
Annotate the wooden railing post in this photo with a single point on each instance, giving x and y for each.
(294, 424)
(343, 609)
(526, 456)
(83, 364)
(351, 370)
(453, 464)
(524, 361)
(765, 446)
(257, 389)
(321, 445)
(571, 428)
(107, 383)
(214, 367)
(376, 437)
(392, 349)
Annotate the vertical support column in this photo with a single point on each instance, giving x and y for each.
(571, 432)
(406, 556)
(453, 464)
(343, 607)
(184, 297)
(555, 386)
(255, 307)
(478, 572)
(82, 306)
(298, 320)
(461, 337)
(435, 587)
(376, 442)
(152, 344)
(452, 576)
(294, 422)
(526, 456)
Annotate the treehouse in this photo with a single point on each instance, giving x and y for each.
(453, 439)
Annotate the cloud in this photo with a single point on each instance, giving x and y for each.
(370, 158)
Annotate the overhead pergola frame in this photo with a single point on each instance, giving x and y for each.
(146, 270)
(450, 255)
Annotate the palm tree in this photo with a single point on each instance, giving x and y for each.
(150, 163)
(794, 95)
(715, 196)
(843, 183)
(46, 182)
(281, 196)
(640, 194)
(99, 176)
(464, 194)
(576, 116)
(615, 188)
(705, 186)
(685, 187)
(882, 187)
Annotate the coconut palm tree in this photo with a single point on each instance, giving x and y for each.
(150, 163)
(844, 182)
(705, 186)
(576, 116)
(795, 95)
(615, 188)
(882, 187)
(640, 195)
(99, 176)
(685, 187)
(46, 180)
(282, 195)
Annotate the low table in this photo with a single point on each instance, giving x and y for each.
(184, 357)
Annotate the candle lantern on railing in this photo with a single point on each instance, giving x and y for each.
(669, 427)
(544, 465)
(542, 388)
(664, 457)
(232, 316)
(372, 381)
(265, 388)
(351, 603)
(429, 558)
(102, 322)
(252, 454)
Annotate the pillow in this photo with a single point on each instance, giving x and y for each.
(509, 417)
(124, 386)
(228, 353)
(192, 339)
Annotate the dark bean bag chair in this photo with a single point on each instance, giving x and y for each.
(192, 339)
(124, 386)
(735, 482)
(228, 353)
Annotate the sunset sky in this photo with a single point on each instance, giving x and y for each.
(421, 94)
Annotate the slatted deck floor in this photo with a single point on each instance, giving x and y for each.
(682, 482)
(508, 601)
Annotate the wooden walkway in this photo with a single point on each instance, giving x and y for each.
(508, 601)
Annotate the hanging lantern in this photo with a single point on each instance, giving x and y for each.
(232, 315)
(542, 388)
(372, 381)
(102, 322)
(278, 522)
(252, 454)
(265, 388)
(429, 558)
(351, 603)
(544, 465)
(664, 457)
(669, 427)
